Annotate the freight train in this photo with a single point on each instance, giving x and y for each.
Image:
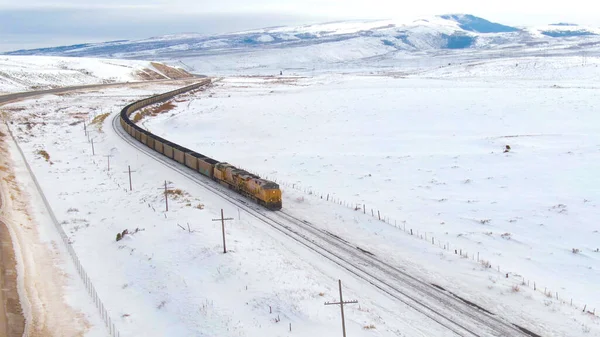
(264, 192)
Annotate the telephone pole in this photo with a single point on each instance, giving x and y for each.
(108, 157)
(222, 219)
(341, 303)
(129, 171)
(166, 196)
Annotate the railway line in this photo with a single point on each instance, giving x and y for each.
(458, 316)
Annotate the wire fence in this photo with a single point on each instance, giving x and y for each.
(517, 280)
(110, 325)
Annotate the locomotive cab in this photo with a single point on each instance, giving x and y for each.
(272, 195)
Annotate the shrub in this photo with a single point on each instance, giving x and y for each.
(176, 193)
(515, 288)
(369, 327)
(119, 237)
(44, 154)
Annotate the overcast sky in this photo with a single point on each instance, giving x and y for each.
(26, 24)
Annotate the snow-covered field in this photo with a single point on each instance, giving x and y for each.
(426, 153)
(163, 280)
(24, 73)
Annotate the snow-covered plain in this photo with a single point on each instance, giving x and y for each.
(425, 152)
(165, 281)
(428, 154)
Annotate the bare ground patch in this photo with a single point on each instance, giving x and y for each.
(153, 111)
(9, 297)
(149, 75)
(171, 72)
(161, 72)
(12, 321)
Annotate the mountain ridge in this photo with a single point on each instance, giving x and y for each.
(426, 34)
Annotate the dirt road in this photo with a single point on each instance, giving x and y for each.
(12, 322)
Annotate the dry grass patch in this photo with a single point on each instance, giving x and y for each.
(165, 107)
(99, 120)
(10, 178)
(44, 154)
(177, 193)
(369, 327)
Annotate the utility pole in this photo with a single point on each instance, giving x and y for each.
(341, 303)
(108, 157)
(166, 197)
(222, 219)
(129, 171)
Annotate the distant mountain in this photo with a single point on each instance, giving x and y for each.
(563, 24)
(338, 41)
(565, 30)
(475, 24)
(568, 33)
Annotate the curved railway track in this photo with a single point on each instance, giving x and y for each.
(453, 313)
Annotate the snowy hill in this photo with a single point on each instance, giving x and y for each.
(23, 73)
(452, 31)
(346, 46)
(474, 24)
(564, 30)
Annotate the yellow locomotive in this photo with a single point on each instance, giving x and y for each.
(265, 192)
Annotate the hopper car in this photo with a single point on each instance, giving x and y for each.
(264, 192)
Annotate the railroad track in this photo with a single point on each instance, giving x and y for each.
(453, 313)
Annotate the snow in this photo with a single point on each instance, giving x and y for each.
(23, 73)
(423, 150)
(555, 28)
(428, 154)
(575, 69)
(164, 280)
(53, 299)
